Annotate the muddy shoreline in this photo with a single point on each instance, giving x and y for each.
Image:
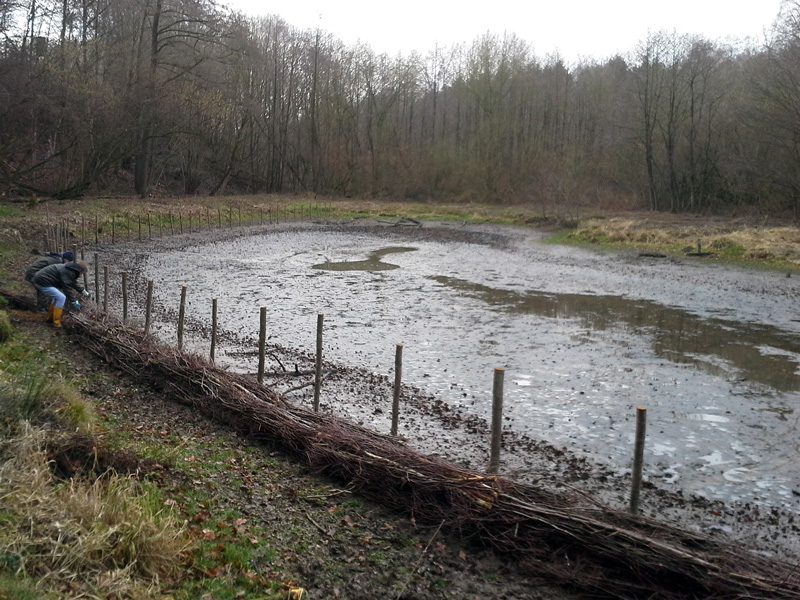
(435, 426)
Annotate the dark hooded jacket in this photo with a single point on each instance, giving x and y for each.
(44, 261)
(59, 276)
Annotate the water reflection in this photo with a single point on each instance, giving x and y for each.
(372, 263)
(761, 353)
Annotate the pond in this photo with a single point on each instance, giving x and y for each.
(585, 337)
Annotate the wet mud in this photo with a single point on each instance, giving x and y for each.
(584, 338)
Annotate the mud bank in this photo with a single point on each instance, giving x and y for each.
(584, 337)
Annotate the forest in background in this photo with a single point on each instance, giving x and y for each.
(188, 97)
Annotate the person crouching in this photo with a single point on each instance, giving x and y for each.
(51, 258)
(57, 282)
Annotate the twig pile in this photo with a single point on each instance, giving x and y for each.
(600, 551)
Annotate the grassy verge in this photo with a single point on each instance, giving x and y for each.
(737, 240)
(103, 534)
(728, 240)
(99, 535)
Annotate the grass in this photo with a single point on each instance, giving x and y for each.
(109, 536)
(733, 242)
(112, 533)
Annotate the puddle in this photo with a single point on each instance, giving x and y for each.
(584, 338)
(758, 352)
(372, 263)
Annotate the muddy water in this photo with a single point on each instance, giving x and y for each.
(712, 352)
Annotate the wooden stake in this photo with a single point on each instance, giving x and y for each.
(96, 230)
(113, 229)
(148, 307)
(96, 277)
(124, 297)
(497, 420)
(398, 376)
(262, 344)
(181, 317)
(318, 369)
(105, 288)
(213, 328)
(638, 459)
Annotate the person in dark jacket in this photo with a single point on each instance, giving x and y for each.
(51, 258)
(57, 282)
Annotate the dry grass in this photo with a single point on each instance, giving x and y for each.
(72, 409)
(730, 238)
(103, 538)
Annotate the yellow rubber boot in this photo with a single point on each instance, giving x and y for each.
(49, 318)
(57, 312)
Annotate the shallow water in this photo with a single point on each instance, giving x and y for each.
(712, 352)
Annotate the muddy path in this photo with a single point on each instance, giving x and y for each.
(584, 337)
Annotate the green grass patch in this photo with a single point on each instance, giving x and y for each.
(14, 588)
(8, 211)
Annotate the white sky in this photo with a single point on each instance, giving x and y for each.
(573, 28)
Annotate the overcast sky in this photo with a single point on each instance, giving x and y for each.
(573, 28)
